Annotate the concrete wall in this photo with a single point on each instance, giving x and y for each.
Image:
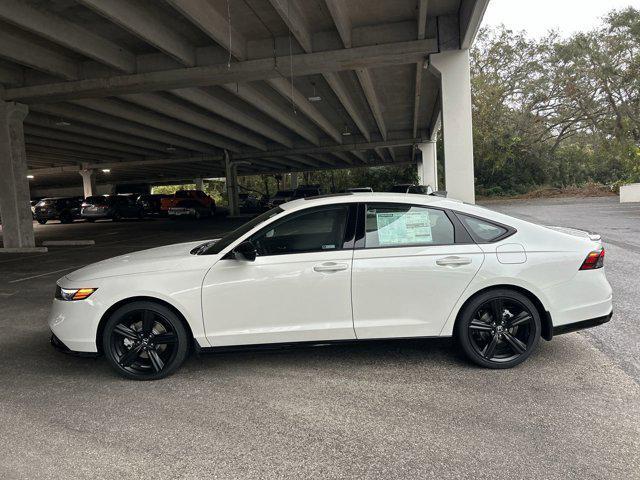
(630, 193)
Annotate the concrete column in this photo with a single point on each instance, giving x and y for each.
(232, 185)
(199, 183)
(453, 69)
(293, 180)
(88, 182)
(17, 223)
(428, 164)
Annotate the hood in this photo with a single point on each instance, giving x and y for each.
(170, 257)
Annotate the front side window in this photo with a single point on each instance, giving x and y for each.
(389, 225)
(315, 230)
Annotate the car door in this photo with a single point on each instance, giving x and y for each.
(410, 266)
(298, 288)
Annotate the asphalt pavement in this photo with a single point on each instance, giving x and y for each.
(395, 409)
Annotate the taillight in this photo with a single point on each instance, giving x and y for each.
(594, 260)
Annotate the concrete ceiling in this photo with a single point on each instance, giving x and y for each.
(156, 89)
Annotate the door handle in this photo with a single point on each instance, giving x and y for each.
(453, 261)
(330, 267)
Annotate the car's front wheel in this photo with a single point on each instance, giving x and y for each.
(145, 341)
(499, 328)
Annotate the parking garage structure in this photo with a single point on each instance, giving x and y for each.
(175, 90)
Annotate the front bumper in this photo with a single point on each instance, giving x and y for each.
(589, 323)
(62, 348)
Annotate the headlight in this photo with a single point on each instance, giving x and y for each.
(73, 293)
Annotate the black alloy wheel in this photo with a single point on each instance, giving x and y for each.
(499, 329)
(145, 341)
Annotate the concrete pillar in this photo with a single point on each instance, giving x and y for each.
(293, 180)
(88, 182)
(17, 222)
(428, 165)
(199, 183)
(232, 185)
(453, 69)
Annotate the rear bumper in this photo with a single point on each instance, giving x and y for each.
(589, 323)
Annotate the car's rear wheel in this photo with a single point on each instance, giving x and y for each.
(499, 328)
(145, 341)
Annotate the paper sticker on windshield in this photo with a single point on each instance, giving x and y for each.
(401, 228)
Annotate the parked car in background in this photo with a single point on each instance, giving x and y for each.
(306, 191)
(180, 196)
(248, 202)
(151, 203)
(360, 267)
(191, 209)
(33, 208)
(360, 190)
(411, 188)
(65, 209)
(114, 207)
(282, 196)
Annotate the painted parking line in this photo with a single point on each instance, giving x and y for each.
(44, 274)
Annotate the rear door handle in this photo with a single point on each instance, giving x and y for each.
(330, 267)
(453, 261)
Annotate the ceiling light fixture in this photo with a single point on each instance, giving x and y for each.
(63, 123)
(314, 97)
(30, 177)
(346, 132)
(171, 149)
(106, 170)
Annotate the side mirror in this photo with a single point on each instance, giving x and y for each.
(245, 251)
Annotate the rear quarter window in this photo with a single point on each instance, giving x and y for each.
(484, 231)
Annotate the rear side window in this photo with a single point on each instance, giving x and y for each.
(389, 225)
(483, 231)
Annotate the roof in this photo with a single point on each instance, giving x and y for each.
(354, 197)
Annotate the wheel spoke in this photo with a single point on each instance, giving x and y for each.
(479, 325)
(490, 348)
(156, 361)
(517, 345)
(520, 319)
(147, 322)
(130, 356)
(164, 338)
(125, 331)
(497, 309)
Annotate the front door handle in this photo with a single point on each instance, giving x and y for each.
(453, 261)
(330, 267)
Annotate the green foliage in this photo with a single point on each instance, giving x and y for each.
(557, 111)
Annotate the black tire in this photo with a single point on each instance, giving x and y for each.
(116, 217)
(130, 341)
(41, 221)
(66, 218)
(499, 328)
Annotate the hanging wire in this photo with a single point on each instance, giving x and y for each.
(229, 22)
(293, 101)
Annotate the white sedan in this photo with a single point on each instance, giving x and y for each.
(339, 268)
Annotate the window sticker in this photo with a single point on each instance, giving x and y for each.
(401, 228)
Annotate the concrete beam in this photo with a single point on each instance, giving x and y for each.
(341, 91)
(257, 99)
(372, 98)
(76, 147)
(147, 118)
(422, 30)
(139, 21)
(172, 109)
(215, 104)
(470, 17)
(262, 69)
(92, 117)
(341, 20)
(70, 35)
(20, 50)
(11, 75)
(290, 13)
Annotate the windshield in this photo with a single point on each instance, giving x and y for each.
(217, 247)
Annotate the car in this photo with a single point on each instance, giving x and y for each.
(306, 191)
(151, 203)
(114, 207)
(360, 190)
(281, 196)
(411, 188)
(181, 195)
(191, 209)
(248, 202)
(349, 268)
(65, 209)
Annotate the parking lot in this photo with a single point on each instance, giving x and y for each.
(395, 409)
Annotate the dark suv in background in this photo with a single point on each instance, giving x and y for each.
(65, 209)
(114, 207)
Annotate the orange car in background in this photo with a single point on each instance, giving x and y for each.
(194, 199)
